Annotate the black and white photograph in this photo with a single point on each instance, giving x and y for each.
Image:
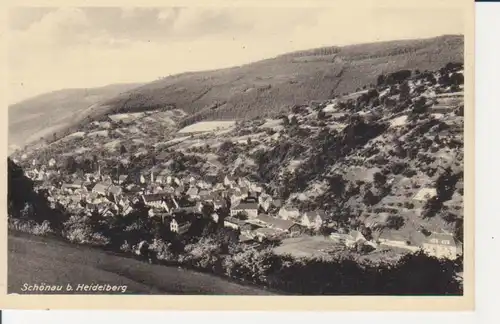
(265, 150)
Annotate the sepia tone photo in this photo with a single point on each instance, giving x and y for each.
(279, 151)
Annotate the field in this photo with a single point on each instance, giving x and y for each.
(306, 246)
(207, 126)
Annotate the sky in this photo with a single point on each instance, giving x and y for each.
(80, 47)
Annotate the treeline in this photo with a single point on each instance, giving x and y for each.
(25, 204)
(338, 275)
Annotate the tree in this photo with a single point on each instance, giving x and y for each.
(379, 179)
(321, 114)
(71, 164)
(420, 105)
(207, 210)
(395, 222)
(285, 120)
(380, 79)
(445, 184)
(123, 150)
(404, 91)
(457, 79)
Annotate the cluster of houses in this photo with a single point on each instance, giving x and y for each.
(248, 208)
(167, 195)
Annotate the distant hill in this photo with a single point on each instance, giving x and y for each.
(44, 114)
(263, 88)
(276, 84)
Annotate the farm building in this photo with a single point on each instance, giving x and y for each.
(441, 245)
(425, 194)
(179, 227)
(279, 224)
(101, 188)
(250, 209)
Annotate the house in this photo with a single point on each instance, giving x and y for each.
(265, 202)
(219, 187)
(244, 183)
(198, 206)
(115, 190)
(279, 224)
(255, 188)
(123, 201)
(69, 187)
(204, 194)
(250, 209)
(441, 245)
(156, 201)
(219, 203)
(127, 210)
(193, 192)
(277, 203)
(289, 213)
(202, 184)
(395, 239)
(232, 222)
(245, 238)
(185, 210)
(313, 219)
(179, 227)
(268, 233)
(229, 181)
(107, 179)
(244, 193)
(100, 188)
(166, 218)
(425, 194)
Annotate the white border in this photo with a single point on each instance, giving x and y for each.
(487, 152)
(487, 116)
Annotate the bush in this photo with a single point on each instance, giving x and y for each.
(78, 229)
(205, 254)
(84, 235)
(163, 250)
(30, 226)
(409, 205)
(395, 222)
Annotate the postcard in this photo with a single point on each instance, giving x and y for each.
(287, 155)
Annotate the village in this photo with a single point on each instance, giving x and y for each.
(113, 165)
(236, 202)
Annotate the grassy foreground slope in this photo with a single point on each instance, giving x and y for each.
(36, 260)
